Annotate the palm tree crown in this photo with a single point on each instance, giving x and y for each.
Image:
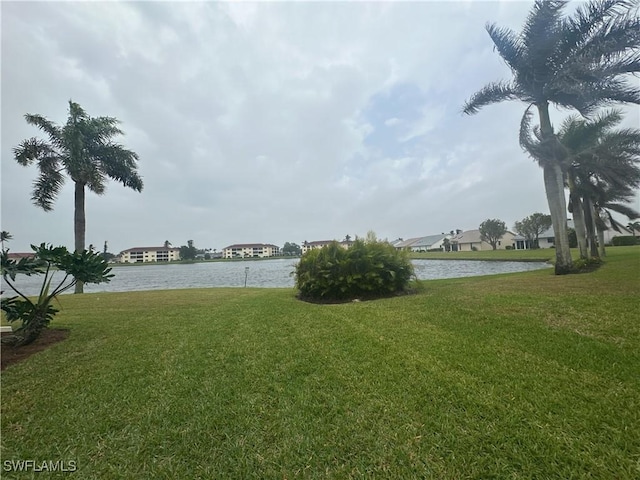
(573, 62)
(83, 149)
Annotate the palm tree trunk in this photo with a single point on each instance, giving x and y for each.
(554, 188)
(578, 221)
(590, 226)
(79, 225)
(601, 249)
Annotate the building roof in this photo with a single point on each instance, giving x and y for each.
(250, 245)
(428, 240)
(148, 249)
(468, 236)
(19, 255)
(473, 236)
(317, 243)
(406, 243)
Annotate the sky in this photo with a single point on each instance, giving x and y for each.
(270, 122)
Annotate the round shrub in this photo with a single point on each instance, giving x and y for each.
(369, 269)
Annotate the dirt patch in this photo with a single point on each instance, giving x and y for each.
(48, 337)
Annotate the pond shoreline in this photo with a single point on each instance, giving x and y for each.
(277, 273)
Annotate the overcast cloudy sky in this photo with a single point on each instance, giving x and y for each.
(270, 122)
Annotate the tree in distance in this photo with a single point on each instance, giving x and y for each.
(291, 249)
(491, 231)
(83, 149)
(188, 251)
(532, 226)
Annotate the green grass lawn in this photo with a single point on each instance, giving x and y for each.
(512, 376)
(539, 255)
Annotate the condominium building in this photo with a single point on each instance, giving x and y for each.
(251, 250)
(149, 254)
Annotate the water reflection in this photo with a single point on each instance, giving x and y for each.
(276, 273)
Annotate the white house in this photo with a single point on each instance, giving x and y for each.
(470, 240)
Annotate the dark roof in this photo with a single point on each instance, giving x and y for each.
(318, 242)
(19, 255)
(148, 249)
(251, 245)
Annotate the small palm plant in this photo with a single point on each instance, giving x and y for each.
(35, 314)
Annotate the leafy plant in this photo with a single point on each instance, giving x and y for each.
(367, 269)
(35, 315)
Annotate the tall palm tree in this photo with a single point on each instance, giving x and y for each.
(579, 62)
(5, 237)
(612, 201)
(84, 150)
(602, 171)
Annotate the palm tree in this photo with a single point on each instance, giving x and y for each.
(578, 62)
(5, 237)
(612, 201)
(83, 149)
(605, 176)
(601, 171)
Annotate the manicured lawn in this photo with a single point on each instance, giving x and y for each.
(542, 254)
(513, 376)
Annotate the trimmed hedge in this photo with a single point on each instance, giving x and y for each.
(625, 240)
(368, 270)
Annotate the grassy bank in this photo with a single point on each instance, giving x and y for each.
(513, 376)
(539, 255)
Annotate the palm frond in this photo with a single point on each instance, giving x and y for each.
(53, 131)
(48, 184)
(31, 150)
(542, 22)
(493, 93)
(120, 164)
(623, 209)
(508, 45)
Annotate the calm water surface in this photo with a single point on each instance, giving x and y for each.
(259, 273)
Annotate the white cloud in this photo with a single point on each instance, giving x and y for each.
(270, 122)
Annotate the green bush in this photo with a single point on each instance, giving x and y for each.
(368, 269)
(585, 265)
(624, 240)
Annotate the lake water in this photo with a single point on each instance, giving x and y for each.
(276, 273)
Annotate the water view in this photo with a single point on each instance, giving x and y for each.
(258, 273)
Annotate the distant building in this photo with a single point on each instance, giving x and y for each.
(421, 244)
(470, 240)
(20, 255)
(250, 250)
(149, 254)
(306, 246)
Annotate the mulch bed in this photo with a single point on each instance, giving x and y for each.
(48, 337)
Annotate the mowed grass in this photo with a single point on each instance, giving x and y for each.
(513, 376)
(541, 254)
